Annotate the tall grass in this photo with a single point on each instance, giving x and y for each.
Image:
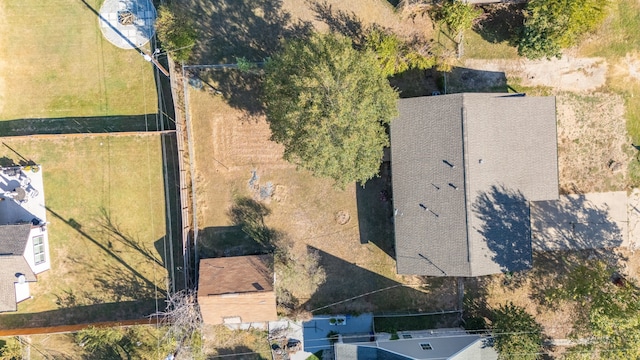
(619, 34)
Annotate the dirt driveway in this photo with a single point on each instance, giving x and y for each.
(566, 74)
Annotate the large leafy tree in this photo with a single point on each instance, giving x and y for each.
(176, 32)
(329, 105)
(608, 311)
(552, 25)
(396, 55)
(517, 334)
(457, 15)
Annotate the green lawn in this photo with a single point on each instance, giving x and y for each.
(55, 63)
(476, 47)
(413, 323)
(619, 34)
(106, 205)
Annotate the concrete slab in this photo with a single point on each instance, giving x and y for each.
(633, 208)
(580, 222)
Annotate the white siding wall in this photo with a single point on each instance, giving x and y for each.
(29, 255)
(22, 291)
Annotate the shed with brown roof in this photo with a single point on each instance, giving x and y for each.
(237, 290)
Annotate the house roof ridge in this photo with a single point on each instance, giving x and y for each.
(465, 181)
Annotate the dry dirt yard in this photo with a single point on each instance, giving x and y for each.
(594, 150)
(379, 12)
(235, 158)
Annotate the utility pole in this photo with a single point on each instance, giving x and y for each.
(152, 59)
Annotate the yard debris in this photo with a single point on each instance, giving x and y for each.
(266, 191)
(342, 217)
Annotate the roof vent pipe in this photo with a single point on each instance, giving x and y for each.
(448, 163)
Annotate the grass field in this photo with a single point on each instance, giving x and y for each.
(55, 63)
(106, 205)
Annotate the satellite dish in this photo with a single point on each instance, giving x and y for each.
(22, 279)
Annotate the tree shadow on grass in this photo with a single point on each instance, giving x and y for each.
(352, 289)
(345, 23)
(239, 352)
(104, 247)
(375, 211)
(113, 232)
(461, 80)
(248, 235)
(569, 232)
(111, 283)
(501, 22)
(417, 82)
(250, 29)
(84, 314)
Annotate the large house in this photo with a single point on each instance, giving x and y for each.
(237, 291)
(465, 168)
(24, 242)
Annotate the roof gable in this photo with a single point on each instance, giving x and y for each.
(11, 266)
(237, 274)
(14, 238)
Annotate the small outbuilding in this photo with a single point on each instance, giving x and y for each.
(237, 291)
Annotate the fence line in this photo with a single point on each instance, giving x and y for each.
(194, 201)
(181, 114)
(61, 329)
(418, 314)
(89, 135)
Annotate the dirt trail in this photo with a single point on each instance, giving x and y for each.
(567, 74)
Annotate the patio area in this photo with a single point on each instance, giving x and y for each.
(22, 196)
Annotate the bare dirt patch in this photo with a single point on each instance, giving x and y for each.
(565, 74)
(368, 11)
(594, 150)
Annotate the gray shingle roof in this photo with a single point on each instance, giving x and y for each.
(464, 167)
(10, 267)
(452, 347)
(13, 239)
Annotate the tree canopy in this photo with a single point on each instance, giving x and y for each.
(608, 311)
(457, 15)
(397, 55)
(329, 105)
(517, 334)
(552, 25)
(176, 32)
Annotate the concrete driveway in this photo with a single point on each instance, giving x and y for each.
(580, 222)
